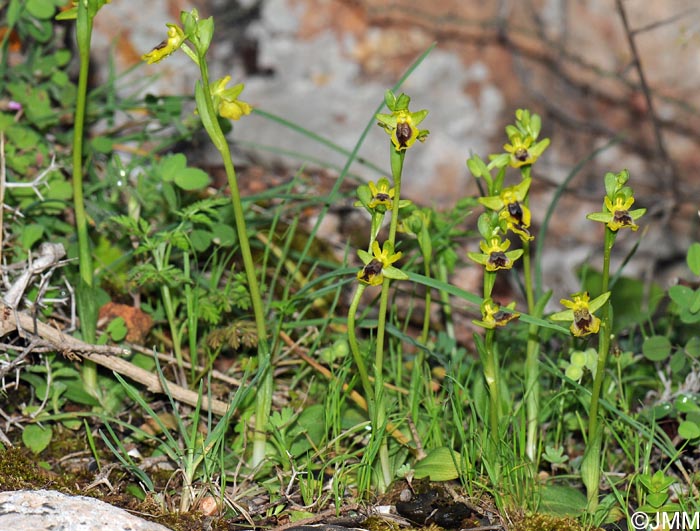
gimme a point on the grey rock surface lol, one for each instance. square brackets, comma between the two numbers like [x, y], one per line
[47, 510]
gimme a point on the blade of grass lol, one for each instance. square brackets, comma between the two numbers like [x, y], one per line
[314, 136]
[476, 300]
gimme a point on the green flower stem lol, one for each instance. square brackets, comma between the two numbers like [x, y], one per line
[161, 256]
[192, 303]
[264, 394]
[491, 368]
[397, 158]
[426, 313]
[86, 305]
[532, 366]
[420, 392]
[492, 382]
[355, 348]
[172, 323]
[593, 451]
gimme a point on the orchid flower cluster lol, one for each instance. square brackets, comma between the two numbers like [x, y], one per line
[616, 215]
[507, 209]
[379, 198]
[199, 33]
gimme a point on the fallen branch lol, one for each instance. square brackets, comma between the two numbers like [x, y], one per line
[103, 355]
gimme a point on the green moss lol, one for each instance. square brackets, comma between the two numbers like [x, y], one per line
[546, 522]
[375, 523]
[19, 470]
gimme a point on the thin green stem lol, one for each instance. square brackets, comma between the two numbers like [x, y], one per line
[397, 158]
[355, 348]
[532, 367]
[593, 451]
[426, 312]
[492, 382]
[169, 307]
[264, 394]
[84, 30]
[86, 301]
[192, 303]
[161, 256]
[532, 390]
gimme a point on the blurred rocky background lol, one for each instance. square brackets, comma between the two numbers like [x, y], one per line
[617, 84]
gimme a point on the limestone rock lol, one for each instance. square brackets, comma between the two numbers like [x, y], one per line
[44, 510]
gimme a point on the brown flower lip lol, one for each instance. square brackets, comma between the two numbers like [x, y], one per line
[372, 269]
[381, 196]
[498, 259]
[623, 217]
[403, 133]
[515, 210]
[521, 154]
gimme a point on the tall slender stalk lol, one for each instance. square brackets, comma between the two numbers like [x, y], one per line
[397, 158]
[355, 348]
[593, 448]
[264, 394]
[532, 367]
[87, 309]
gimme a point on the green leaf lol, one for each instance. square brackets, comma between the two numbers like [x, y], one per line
[309, 429]
[610, 184]
[192, 179]
[102, 144]
[224, 234]
[499, 161]
[41, 9]
[685, 404]
[681, 295]
[13, 12]
[692, 347]
[694, 258]
[364, 256]
[555, 455]
[564, 315]
[390, 99]
[656, 348]
[561, 500]
[441, 464]
[36, 437]
[394, 273]
[171, 165]
[117, 329]
[574, 372]
[677, 363]
[31, 234]
[60, 190]
[688, 430]
[207, 120]
[205, 32]
[477, 167]
[695, 302]
[590, 464]
[201, 239]
[87, 310]
[578, 358]
[598, 302]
